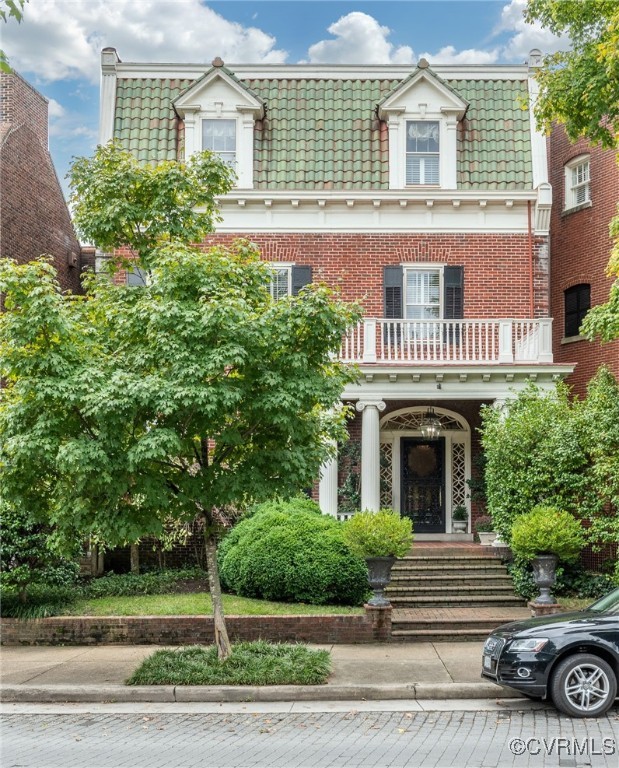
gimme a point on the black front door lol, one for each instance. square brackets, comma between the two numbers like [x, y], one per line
[423, 483]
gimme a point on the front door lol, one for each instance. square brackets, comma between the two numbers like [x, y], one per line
[423, 483]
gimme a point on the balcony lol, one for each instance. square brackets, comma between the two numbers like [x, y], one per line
[448, 342]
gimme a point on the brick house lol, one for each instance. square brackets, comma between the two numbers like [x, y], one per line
[585, 181]
[34, 218]
[421, 191]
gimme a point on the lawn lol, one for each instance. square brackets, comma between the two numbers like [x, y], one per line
[194, 604]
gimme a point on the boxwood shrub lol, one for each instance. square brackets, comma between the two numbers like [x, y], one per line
[288, 551]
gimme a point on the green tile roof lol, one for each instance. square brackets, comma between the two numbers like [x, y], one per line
[323, 134]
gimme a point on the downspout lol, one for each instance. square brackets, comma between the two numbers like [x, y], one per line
[530, 244]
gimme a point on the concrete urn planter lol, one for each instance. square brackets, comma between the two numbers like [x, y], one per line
[458, 526]
[379, 575]
[544, 575]
[486, 537]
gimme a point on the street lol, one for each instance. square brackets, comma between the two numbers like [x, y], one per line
[447, 734]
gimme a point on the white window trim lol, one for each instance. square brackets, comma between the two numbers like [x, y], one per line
[448, 171]
[288, 267]
[424, 268]
[569, 198]
[244, 139]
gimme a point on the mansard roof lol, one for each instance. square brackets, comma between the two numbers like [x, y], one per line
[322, 130]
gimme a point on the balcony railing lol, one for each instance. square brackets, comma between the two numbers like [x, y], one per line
[449, 342]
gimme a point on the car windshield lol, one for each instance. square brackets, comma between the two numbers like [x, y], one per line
[607, 604]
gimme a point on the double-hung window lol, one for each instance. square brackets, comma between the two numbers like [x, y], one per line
[281, 282]
[219, 136]
[422, 301]
[577, 183]
[422, 152]
[577, 304]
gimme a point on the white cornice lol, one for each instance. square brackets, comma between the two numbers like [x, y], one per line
[441, 211]
[315, 71]
[454, 382]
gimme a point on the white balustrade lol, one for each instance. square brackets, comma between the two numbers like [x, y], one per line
[448, 341]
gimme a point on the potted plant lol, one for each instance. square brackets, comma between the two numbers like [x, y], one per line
[459, 519]
[379, 538]
[484, 528]
[542, 537]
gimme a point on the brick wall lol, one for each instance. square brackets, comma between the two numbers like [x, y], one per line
[580, 248]
[373, 626]
[496, 267]
[34, 218]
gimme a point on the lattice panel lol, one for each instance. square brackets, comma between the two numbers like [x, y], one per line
[458, 475]
[386, 475]
[412, 421]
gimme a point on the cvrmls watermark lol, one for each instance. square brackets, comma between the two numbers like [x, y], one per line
[559, 746]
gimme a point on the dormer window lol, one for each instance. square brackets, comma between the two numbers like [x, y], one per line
[219, 137]
[218, 113]
[422, 152]
[422, 115]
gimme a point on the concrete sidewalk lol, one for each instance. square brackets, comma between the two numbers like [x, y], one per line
[360, 672]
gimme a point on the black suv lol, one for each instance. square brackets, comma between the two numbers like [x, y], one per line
[571, 658]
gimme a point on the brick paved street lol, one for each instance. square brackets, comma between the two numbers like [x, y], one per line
[353, 739]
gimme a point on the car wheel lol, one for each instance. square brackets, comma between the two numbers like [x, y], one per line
[583, 685]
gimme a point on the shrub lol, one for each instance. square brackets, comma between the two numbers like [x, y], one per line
[459, 513]
[151, 583]
[291, 554]
[547, 530]
[484, 524]
[379, 534]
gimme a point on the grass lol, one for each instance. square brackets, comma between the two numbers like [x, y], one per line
[574, 603]
[256, 663]
[194, 604]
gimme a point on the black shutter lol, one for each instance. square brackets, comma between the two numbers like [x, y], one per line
[393, 287]
[300, 276]
[453, 300]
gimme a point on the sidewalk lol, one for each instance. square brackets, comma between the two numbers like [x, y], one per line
[376, 672]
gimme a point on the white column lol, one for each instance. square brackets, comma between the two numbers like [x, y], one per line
[327, 487]
[370, 453]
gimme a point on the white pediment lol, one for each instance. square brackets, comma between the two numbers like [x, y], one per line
[423, 94]
[219, 91]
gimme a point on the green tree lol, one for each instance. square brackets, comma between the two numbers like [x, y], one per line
[188, 396]
[10, 9]
[580, 89]
[544, 448]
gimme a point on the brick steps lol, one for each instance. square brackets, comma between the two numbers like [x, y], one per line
[443, 592]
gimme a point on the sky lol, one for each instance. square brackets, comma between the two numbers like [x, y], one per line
[57, 46]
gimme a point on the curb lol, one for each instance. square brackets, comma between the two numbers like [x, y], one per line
[220, 694]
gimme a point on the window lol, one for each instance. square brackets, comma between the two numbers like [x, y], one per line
[577, 190]
[219, 136]
[577, 304]
[280, 282]
[422, 152]
[137, 276]
[423, 294]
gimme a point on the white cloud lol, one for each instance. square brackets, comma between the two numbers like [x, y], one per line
[449, 55]
[525, 36]
[55, 109]
[360, 39]
[59, 39]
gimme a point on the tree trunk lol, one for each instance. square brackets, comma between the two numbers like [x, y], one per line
[224, 649]
[135, 558]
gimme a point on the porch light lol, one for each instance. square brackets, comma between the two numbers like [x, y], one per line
[430, 426]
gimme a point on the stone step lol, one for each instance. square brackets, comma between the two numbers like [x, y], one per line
[448, 559]
[476, 589]
[451, 566]
[456, 601]
[438, 577]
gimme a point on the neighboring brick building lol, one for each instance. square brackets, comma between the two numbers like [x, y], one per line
[422, 192]
[585, 183]
[34, 218]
